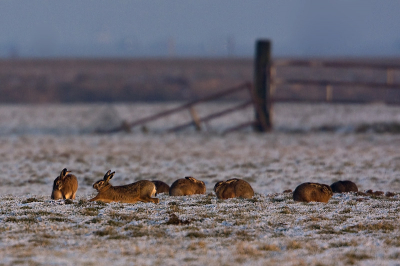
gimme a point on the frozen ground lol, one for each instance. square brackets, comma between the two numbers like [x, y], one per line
[38, 141]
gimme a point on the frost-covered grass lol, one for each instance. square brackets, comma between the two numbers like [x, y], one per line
[270, 229]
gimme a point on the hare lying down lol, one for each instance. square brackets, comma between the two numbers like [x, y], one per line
[344, 186]
[187, 186]
[64, 186]
[233, 188]
[307, 192]
[142, 190]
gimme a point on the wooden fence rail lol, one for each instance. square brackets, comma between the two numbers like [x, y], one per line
[345, 63]
[196, 119]
[355, 81]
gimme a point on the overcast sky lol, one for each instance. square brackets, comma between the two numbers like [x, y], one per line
[198, 28]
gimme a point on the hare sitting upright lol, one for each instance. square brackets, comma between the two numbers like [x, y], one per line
[187, 186]
[142, 190]
[307, 192]
[64, 186]
[233, 188]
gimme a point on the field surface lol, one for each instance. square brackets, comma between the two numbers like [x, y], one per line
[318, 143]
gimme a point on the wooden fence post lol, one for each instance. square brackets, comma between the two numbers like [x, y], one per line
[262, 77]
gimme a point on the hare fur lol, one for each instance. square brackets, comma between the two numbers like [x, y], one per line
[161, 187]
[142, 190]
[307, 192]
[64, 186]
[187, 186]
[233, 188]
[344, 186]
[56, 194]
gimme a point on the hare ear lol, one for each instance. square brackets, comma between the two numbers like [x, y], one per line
[64, 172]
[108, 176]
[191, 178]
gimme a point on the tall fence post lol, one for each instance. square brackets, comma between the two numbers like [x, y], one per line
[262, 77]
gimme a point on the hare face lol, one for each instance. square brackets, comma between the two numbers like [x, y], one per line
[218, 185]
[99, 185]
[201, 186]
[59, 184]
[103, 184]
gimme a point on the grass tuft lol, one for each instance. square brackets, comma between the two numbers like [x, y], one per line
[195, 235]
[174, 220]
[30, 200]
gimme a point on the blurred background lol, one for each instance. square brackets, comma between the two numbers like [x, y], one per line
[207, 28]
[77, 67]
[175, 50]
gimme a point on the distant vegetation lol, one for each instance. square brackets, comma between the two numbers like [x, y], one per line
[112, 80]
[150, 80]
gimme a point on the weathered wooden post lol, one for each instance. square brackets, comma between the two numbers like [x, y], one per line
[262, 77]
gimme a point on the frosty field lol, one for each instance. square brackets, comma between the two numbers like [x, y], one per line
[318, 143]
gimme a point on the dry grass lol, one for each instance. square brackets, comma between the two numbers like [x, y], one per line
[269, 229]
[117, 222]
[232, 224]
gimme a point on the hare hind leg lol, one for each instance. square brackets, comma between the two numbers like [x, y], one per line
[154, 192]
[99, 198]
[149, 199]
[147, 193]
[155, 200]
[102, 200]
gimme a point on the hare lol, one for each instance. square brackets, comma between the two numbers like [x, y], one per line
[344, 186]
[64, 186]
[161, 187]
[142, 190]
[187, 186]
[233, 188]
[312, 192]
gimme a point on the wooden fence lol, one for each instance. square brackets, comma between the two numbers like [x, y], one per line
[289, 80]
[335, 81]
[324, 80]
[197, 120]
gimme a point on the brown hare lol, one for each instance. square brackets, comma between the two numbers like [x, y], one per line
[187, 186]
[161, 187]
[64, 186]
[344, 186]
[307, 192]
[142, 190]
[233, 188]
